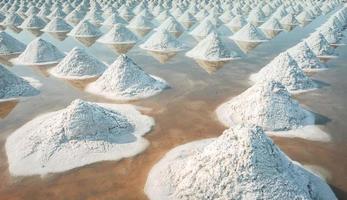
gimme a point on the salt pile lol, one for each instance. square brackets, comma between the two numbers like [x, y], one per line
[33, 22]
[162, 41]
[187, 19]
[118, 34]
[249, 33]
[237, 23]
[140, 22]
[10, 45]
[304, 17]
[125, 80]
[289, 20]
[275, 109]
[203, 29]
[80, 134]
[78, 65]
[286, 70]
[243, 163]
[212, 49]
[39, 52]
[94, 17]
[12, 20]
[74, 17]
[57, 25]
[305, 58]
[114, 19]
[172, 26]
[85, 29]
[272, 24]
[320, 46]
[13, 86]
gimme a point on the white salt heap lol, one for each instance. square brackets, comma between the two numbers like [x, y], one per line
[114, 19]
[12, 20]
[162, 41]
[78, 65]
[237, 23]
[285, 69]
[140, 22]
[10, 45]
[75, 16]
[13, 86]
[39, 52]
[125, 80]
[320, 46]
[80, 134]
[305, 58]
[212, 49]
[267, 104]
[243, 163]
[203, 29]
[272, 24]
[249, 33]
[118, 34]
[33, 22]
[85, 29]
[171, 25]
[289, 20]
[57, 25]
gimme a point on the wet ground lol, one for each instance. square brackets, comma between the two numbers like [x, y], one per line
[183, 113]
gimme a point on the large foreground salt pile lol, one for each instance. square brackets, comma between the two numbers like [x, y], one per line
[212, 49]
[10, 45]
[125, 80]
[286, 70]
[13, 86]
[78, 65]
[80, 134]
[162, 41]
[267, 104]
[243, 163]
[40, 52]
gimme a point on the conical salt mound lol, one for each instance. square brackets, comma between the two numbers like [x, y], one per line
[162, 41]
[289, 20]
[13, 86]
[305, 58]
[114, 19]
[237, 23]
[75, 16]
[118, 34]
[212, 49]
[331, 35]
[272, 24]
[10, 45]
[80, 134]
[243, 163]
[140, 22]
[33, 22]
[320, 46]
[285, 69]
[40, 52]
[171, 25]
[77, 64]
[203, 29]
[249, 33]
[85, 29]
[125, 80]
[12, 20]
[304, 17]
[57, 25]
[267, 104]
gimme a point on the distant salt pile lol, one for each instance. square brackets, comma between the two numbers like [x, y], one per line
[256, 16]
[125, 80]
[33, 22]
[226, 17]
[114, 19]
[140, 22]
[172, 25]
[78, 65]
[57, 12]
[187, 19]
[320, 46]
[57, 25]
[13, 86]
[272, 24]
[80, 134]
[304, 17]
[243, 163]
[275, 110]
[249, 33]
[237, 23]
[10, 45]
[118, 34]
[74, 16]
[12, 20]
[85, 29]
[40, 52]
[286, 70]
[162, 41]
[212, 49]
[305, 58]
[289, 20]
[94, 17]
[203, 29]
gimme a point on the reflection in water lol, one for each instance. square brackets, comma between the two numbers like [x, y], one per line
[35, 32]
[162, 57]
[61, 36]
[326, 58]
[43, 69]
[6, 107]
[120, 48]
[271, 33]
[81, 84]
[87, 41]
[15, 29]
[246, 47]
[288, 27]
[141, 32]
[211, 67]
[5, 59]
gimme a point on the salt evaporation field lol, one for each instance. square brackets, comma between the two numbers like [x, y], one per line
[173, 99]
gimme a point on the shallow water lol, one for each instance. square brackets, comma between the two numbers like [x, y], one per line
[183, 113]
